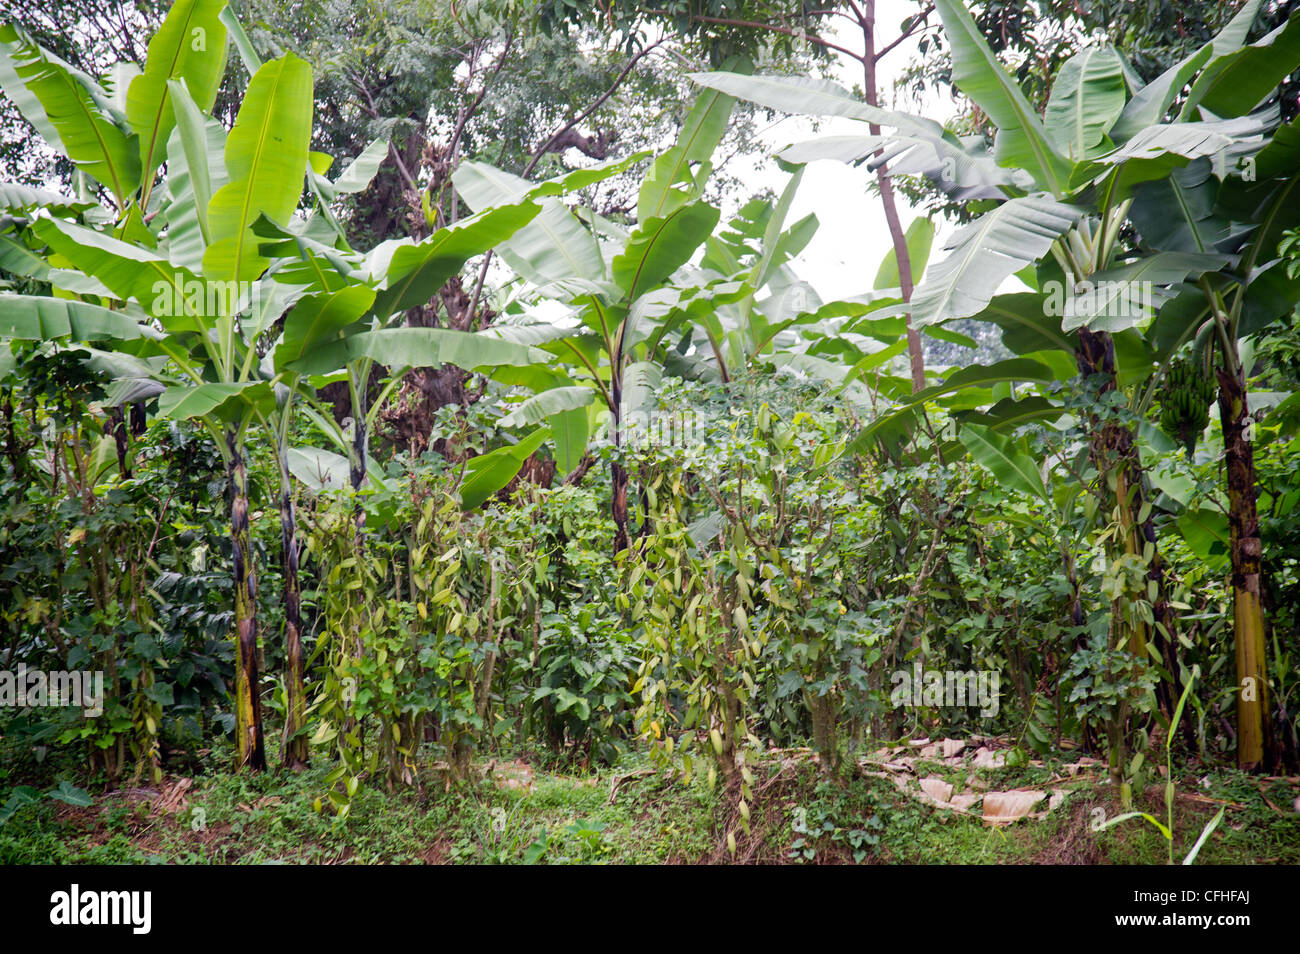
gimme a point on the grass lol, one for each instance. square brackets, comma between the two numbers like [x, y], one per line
[567, 816]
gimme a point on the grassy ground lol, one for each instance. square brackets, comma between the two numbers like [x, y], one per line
[525, 812]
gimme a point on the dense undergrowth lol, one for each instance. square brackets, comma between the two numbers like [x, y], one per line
[528, 810]
[650, 558]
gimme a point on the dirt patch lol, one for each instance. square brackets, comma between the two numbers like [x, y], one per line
[1076, 843]
[438, 853]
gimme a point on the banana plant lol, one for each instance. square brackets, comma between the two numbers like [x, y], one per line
[637, 297]
[607, 276]
[188, 278]
[1067, 185]
[1241, 209]
[117, 262]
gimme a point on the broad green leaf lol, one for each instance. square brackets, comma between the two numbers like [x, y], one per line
[999, 455]
[555, 246]
[490, 472]
[1026, 325]
[570, 430]
[659, 247]
[16, 257]
[70, 794]
[482, 185]
[266, 160]
[227, 401]
[976, 376]
[129, 271]
[20, 797]
[1010, 413]
[190, 45]
[1271, 294]
[417, 348]
[1021, 138]
[985, 253]
[416, 271]
[68, 113]
[703, 129]
[919, 237]
[19, 198]
[361, 170]
[641, 380]
[195, 170]
[778, 244]
[1188, 140]
[247, 54]
[1233, 85]
[813, 97]
[1117, 298]
[1088, 95]
[319, 469]
[1206, 534]
[1177, 213]
[539, 407]
[552, 247]
[319, 318]
[1177, 322]
[40, 318]
[1149, 104]
[960, 171]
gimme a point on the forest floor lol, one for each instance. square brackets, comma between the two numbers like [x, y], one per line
[912, 803]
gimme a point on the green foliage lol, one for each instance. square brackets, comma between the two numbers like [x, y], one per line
[794, 528]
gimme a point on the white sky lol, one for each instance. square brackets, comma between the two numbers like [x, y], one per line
[842, 258]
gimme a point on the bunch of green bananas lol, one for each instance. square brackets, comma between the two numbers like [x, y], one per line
[1188, 389]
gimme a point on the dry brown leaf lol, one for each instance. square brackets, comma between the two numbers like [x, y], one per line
[905, 764]
[173, 798]
[937, 788]
[1002, 808]
[987, 758]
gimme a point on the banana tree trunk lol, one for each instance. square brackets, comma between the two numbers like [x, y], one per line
[358, 452]
[617, 472]
[1114, 452]
[296, 752]
[248, 711]
[1247, 610]
[1114, 455]
[121, 442]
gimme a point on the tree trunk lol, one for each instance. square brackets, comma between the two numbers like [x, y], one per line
[617, 472]
[248, 712]
[1113, 451]
[360, 448]
[296, 750]
[1253, 747]
[896, 233]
